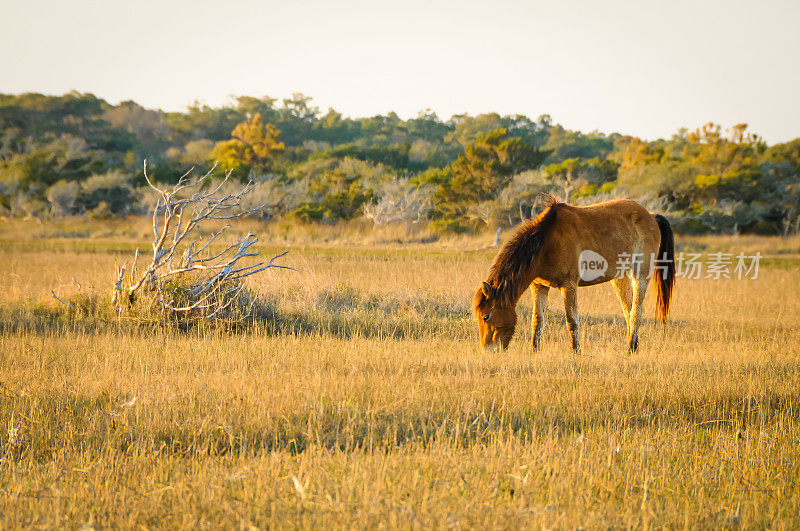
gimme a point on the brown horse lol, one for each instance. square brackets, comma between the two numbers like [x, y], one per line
[567, 247]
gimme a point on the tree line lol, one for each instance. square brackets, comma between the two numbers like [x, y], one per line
[76, 154]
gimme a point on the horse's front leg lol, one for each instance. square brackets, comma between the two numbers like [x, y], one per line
[539, 306]
[570, 294]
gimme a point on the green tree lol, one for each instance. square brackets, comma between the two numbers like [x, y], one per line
[253, 145]
[565, 144]
[336, 195]
[584, 176]
[481, 173]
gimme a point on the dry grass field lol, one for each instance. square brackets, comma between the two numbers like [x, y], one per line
[363, 400]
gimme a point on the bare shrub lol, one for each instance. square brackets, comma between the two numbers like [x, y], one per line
[62, 196]
[400, 203]
[192, 276]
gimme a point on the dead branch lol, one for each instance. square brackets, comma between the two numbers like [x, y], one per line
[56, 297]
[184, 263]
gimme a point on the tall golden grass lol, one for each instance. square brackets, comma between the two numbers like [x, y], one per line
[362, 400]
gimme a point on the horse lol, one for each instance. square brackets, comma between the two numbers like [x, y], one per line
[568, 246]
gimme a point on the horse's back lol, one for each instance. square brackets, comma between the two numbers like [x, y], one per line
[614, 230]
[615, 208]
[618, 217]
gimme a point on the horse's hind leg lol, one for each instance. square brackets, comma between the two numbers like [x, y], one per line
[571, 309]
[639, 291]
[622, 287]
[539, 307]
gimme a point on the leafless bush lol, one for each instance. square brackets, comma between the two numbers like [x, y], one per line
[404, 204]
[62, 197]
[191, 275]
[482, 211]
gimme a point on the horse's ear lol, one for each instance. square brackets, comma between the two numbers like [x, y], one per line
[487, 290]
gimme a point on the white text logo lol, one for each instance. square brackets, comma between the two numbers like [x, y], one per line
[591, 265]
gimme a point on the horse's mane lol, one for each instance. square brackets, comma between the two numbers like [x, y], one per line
[514, 258]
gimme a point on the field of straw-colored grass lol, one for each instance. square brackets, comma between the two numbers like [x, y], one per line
[363, 401]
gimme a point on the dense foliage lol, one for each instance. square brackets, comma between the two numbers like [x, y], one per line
[77, 154]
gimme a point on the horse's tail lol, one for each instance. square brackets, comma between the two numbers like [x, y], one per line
[665, 272]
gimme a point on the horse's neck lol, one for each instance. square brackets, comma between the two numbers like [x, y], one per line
[524, 284]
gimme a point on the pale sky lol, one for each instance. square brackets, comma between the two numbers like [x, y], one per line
[642, 67]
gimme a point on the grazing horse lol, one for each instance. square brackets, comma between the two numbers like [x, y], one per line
[567, 247]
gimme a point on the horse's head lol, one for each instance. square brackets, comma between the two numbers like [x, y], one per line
[496, 317]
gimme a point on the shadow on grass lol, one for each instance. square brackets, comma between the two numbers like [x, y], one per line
[343, 313]
[369, 318]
